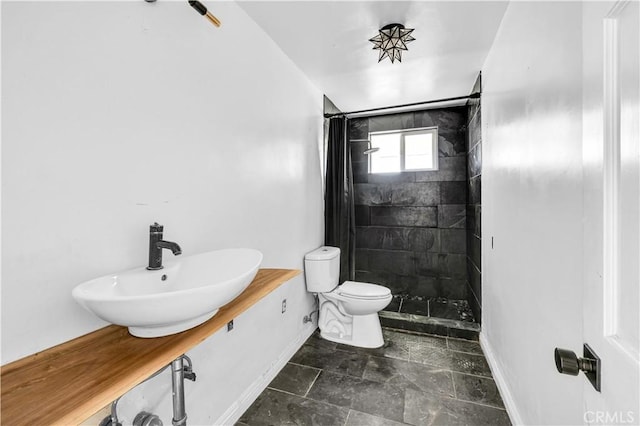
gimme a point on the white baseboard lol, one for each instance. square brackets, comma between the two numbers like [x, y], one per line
[503, 387]
[235, 411]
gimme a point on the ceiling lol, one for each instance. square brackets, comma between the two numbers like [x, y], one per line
[329, 42]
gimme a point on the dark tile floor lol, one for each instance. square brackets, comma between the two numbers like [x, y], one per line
[413, 379]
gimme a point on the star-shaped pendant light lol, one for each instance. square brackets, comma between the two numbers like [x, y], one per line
[391, 41]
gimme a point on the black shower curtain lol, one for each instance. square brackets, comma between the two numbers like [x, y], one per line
[339, 210]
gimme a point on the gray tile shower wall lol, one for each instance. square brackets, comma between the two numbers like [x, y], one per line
[411, 226]
[474, 171]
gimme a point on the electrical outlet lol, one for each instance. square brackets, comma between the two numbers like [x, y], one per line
[284, 305]
[230, 325]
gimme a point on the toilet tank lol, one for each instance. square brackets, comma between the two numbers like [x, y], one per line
[322, 269]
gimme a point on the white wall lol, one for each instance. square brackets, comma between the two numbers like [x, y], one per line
[119, 114]
[232, 368]
[532, 208]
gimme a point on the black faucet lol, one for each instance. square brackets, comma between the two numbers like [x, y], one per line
[156, 244]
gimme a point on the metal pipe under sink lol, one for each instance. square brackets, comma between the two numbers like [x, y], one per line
[179, 372]
[177, 387]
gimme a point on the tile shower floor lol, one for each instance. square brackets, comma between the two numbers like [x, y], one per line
[440, 307]
[414, 379]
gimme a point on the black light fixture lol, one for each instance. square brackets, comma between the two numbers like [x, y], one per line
[391, 40]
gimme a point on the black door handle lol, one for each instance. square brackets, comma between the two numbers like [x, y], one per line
[567, 362]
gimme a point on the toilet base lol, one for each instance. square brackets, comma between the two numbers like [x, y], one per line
[365, 332]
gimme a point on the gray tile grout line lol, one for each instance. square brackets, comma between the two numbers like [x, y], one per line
[464, 352]
[346, 420]
[415, 333]
[310, 399]
[464, 340]
[307, 366]
[468, 353]
[378, 417]
[475, 375]
[313, 382]
[480, 404]
[327, 403]
[338, 373]
[394, 358]
[455, 393]
[464, 400]
[446, 348]
[284, 391]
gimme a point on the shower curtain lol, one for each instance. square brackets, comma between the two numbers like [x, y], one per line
[339, 209]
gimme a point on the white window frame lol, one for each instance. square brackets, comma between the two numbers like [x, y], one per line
[402, 133]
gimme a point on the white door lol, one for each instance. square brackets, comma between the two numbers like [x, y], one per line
[611, 162]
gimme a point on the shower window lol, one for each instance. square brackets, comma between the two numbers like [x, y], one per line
[406, 150]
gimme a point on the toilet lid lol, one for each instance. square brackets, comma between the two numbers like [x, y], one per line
[363, 290]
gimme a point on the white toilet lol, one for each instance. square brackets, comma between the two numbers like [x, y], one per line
[348, 312]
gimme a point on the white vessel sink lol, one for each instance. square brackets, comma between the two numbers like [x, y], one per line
[185, 293]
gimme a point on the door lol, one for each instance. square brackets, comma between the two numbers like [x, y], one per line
[611, 164]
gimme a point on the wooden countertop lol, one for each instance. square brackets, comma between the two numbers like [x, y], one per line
[66, 384]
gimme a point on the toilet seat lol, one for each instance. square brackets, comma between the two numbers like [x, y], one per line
[362, 291]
